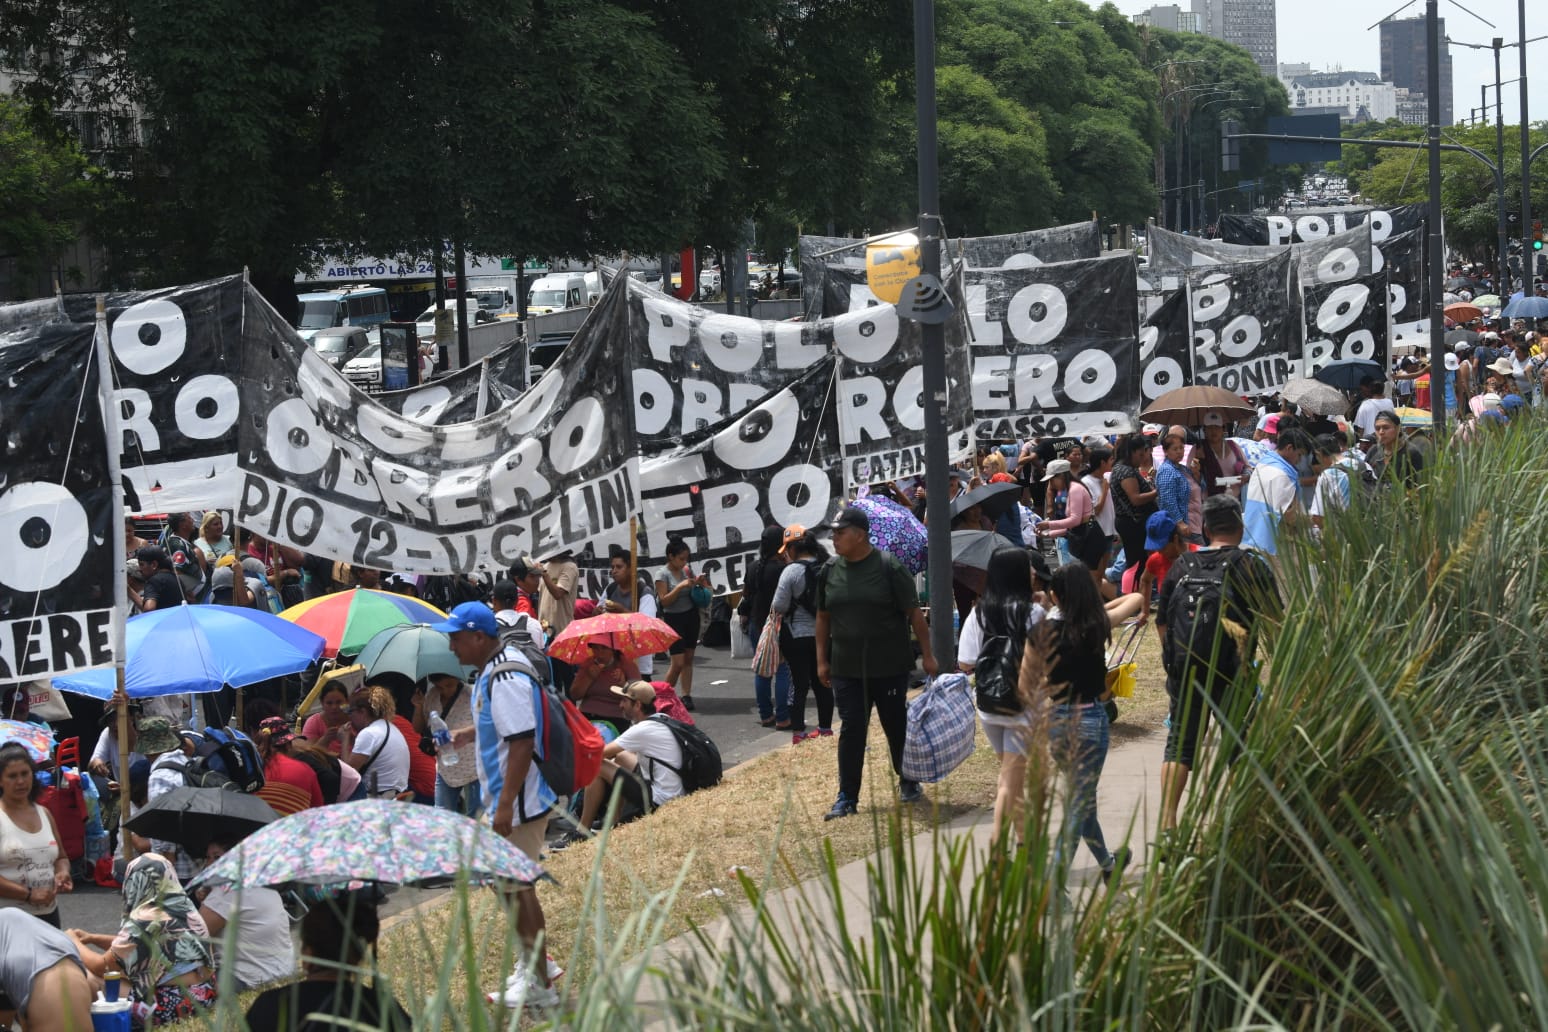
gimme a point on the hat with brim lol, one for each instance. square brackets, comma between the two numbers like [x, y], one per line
[640, 691]
[1158, 531]
[1502, 366]
[155, 735]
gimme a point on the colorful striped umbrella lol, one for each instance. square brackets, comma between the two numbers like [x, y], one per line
[633, 634]
[347, 620]
[374, 840]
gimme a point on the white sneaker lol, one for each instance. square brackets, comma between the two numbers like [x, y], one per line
[524, 990]
[555, 972]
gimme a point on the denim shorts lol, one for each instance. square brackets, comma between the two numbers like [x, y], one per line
[1007, 738]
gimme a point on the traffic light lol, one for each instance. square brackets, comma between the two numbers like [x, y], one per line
[1537, 236]
[1230, 149]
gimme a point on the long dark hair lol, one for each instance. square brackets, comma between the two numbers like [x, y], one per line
[771, 542]
[1006, 603]
[1083, 622]
[808, 545]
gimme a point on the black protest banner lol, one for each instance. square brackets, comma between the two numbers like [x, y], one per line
[881, 390]
[454, 397]
[330, 472]
[776, 464]
[693, 368]
[1318, 223]
[835, 283]
[177, 367]
[1055, 348]
[1166, 346]
[1246, 325]
[1346, 321]
[1337, 258]
[57, 521]
[1408, 286]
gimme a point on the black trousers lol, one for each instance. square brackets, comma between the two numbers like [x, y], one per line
[855, 698]
[801, 655]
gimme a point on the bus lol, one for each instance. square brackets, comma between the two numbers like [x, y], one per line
[357, 305]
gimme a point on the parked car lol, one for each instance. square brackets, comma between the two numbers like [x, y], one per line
[338, 344]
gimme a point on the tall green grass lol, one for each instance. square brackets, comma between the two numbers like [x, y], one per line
[1376, 859]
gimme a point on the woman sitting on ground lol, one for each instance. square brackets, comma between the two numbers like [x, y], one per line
[162, 946]
[374, 746]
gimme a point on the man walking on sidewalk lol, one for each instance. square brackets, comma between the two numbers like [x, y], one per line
[865, 606]
[1211, 602]
[504, 735]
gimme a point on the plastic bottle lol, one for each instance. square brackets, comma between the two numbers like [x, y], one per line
[444, 750]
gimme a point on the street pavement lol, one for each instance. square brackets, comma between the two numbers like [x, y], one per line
[722, 691]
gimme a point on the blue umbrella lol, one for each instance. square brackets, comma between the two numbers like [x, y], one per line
[1527, 308]
[200, 649]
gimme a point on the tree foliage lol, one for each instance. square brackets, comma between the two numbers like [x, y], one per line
[45, 192]
[1469, 199]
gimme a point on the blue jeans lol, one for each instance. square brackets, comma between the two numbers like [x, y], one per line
[1078, 738]
[779, 705]
[465, 800]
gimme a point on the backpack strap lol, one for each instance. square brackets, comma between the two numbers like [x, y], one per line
[379, 748]
[663, 719]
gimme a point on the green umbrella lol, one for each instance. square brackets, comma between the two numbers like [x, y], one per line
[413, 650]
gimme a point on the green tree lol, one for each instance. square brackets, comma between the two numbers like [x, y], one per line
[46, 189]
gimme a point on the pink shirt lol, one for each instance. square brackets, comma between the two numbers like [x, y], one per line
[1078, 509]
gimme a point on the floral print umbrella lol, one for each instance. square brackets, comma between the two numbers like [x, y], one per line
[632, 634]
[894, 529]
[35, 738]
[372, 840]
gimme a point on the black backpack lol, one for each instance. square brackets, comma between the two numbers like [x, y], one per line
[997, 674]
[701, 757]
[1195, 635]
[519, 634]
[816, 573]
[223, 758]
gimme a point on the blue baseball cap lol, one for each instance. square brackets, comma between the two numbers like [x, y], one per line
[470, 616]
[1158, 531]
[1511, 402]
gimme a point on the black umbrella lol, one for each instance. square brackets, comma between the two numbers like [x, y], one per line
[1458, 336]
[994, 499]
[973, 548]
[1346, 375]
[191, 817]
[1459, 283]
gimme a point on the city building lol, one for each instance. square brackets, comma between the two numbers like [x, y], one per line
[1353, 96]
[1412, 108]
[1170, 17]
[1248, 24]
[1405, 61]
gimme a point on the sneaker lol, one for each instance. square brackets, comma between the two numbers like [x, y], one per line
[555, 972]
[523, 989]
[825, 732]
[802, 736]
[765, 721]
[842, 807]
[1120, 860]
[688, 703]
[910, 792]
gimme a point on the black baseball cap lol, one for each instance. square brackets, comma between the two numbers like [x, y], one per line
[851, 516]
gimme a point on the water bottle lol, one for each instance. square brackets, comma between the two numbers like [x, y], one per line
[444, 749]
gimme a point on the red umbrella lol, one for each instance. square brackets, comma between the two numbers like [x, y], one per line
[632, 634]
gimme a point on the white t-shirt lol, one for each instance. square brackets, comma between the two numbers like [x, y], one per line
[653, 741]
[264, 952]
[972, 643]
[1365, 415]
[391, 766]
[1104, 515]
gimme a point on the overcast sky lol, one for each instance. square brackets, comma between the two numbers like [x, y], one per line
[1333, 34]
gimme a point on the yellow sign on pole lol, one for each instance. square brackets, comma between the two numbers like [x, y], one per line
[890, 262]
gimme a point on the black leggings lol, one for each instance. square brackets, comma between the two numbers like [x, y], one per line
[1193, 698]
[1131, 531]
[801, 655]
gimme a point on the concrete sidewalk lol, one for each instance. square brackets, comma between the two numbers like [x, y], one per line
[1128, 803]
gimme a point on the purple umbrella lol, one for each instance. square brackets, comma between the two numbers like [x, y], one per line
[894, 529]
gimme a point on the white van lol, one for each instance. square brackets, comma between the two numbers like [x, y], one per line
[556, 293]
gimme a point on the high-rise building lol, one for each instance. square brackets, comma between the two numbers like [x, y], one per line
[1405, 60]
[1247, 23]
[1170, 17]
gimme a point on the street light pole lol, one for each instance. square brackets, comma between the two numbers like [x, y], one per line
[933, 344]
[1437, 256]
[1528, 257]
[1503, 279]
